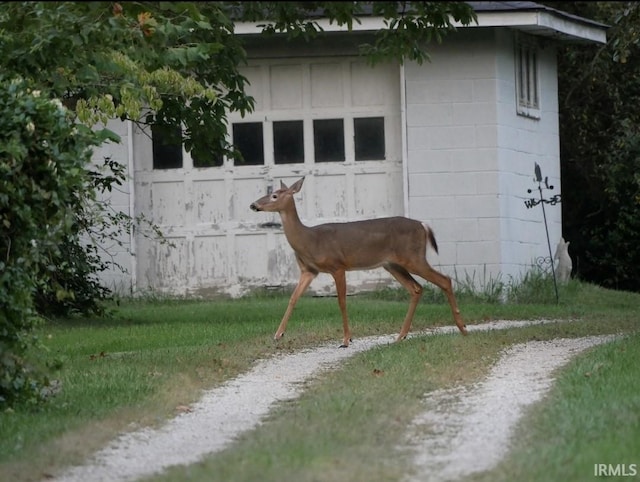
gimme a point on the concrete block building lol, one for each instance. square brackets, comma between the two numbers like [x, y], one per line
[452, 142]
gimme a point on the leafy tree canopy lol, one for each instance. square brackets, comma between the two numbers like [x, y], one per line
[176, 63]
[68, 66]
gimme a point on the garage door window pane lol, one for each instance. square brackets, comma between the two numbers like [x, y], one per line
[288, 142]
[369, 138]
[208, 152]
[208, 161]
[328, 140]
[167, 147]
[247, 140]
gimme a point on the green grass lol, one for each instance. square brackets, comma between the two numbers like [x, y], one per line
[152, 356]
[592, 416]
[349, 424]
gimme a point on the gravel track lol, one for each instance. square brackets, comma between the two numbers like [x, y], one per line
[240, 404]
[467, 429]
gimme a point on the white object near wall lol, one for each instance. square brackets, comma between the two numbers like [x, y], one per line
[563, 270]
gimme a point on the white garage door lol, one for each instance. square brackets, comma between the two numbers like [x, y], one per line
[335, 121]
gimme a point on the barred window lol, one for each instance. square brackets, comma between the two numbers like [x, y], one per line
[527, 85]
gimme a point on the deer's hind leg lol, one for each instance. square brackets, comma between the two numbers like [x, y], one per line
[415, 290]
[424, 270]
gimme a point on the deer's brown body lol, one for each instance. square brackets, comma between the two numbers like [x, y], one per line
[397, 244]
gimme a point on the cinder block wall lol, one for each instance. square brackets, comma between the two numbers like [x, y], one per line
[470, 156]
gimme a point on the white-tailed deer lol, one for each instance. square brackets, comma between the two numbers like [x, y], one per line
[397, 244]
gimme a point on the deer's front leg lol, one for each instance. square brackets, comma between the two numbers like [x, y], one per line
[341, 288]
[306, 277]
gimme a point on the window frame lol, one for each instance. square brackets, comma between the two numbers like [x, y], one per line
[527, 77]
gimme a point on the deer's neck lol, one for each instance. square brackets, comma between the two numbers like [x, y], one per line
[295, 232]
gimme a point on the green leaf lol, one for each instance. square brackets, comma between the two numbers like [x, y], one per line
[105, 134]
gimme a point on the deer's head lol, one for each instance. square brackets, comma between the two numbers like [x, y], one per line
[277, 200]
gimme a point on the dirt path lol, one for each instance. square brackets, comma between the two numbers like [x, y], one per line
[467, 429]
[240, 404]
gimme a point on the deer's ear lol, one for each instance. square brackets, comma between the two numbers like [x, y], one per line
[283, 185]
[297, 185]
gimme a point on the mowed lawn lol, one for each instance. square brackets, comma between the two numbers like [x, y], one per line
[152, 358]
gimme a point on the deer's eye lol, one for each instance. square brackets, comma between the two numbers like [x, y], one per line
[274, 197]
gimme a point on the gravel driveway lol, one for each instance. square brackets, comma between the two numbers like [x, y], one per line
[524, 372]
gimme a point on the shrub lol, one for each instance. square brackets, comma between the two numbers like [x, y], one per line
[43, 154]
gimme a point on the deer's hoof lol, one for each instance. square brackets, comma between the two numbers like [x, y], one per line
[277, 337]
[346, 345]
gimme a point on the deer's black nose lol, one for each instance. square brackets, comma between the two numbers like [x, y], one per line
[254, 207]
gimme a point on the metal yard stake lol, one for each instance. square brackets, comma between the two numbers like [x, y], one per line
[553, 200]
